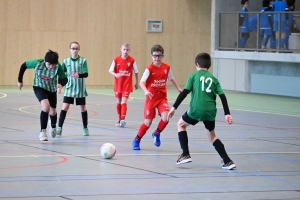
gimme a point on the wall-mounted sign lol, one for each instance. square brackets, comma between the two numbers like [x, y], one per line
[154, 25]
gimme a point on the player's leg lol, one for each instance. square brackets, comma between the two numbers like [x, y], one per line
[163, 109]
[210, 132]
[184, 122]
[66, 105]
[84, 115]
[118, 106]
[149, 115]
[125, 96]
[42, 96]
[141, 132]
[53, 114]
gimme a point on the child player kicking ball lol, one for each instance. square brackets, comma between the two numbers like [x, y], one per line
[204, 87]
[153, 84]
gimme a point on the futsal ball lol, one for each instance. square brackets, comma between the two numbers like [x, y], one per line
[108, 150]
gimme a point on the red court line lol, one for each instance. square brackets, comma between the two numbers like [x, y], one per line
[63, 159]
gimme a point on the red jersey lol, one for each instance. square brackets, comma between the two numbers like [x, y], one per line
[158, 76]
[125, 67]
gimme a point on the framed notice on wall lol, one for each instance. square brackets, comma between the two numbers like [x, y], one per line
[154, 26]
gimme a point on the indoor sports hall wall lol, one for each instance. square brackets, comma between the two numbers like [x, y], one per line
[28, 28]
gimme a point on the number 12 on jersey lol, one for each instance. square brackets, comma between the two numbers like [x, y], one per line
[208, 81]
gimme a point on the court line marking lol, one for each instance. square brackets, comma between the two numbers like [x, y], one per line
[4, 95]
[117, 155]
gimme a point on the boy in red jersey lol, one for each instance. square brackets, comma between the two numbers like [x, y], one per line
[153, 83]
[121, 68]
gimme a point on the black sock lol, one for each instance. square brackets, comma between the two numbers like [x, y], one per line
[183, 139]
[44, 120]
[62, 118]
[138, 138]
[221, 150]
[53, 120]
[84, 119]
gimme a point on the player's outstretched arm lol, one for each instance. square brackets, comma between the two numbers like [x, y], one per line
[176, 85]
[136, 86]
[21, 74]
[228, 117]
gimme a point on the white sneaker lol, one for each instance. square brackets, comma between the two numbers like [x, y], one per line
[43, 135]
[263, 47]
[122, 123]
[52, 132]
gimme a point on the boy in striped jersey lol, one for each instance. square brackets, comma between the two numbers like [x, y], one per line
[122, 68]
[77, 70]
[153, 84]
[45, 87]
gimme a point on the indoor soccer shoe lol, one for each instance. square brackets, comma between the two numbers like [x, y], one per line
[122, 123]
[156, 139]
[85, 132]
[52, 132]
[230, 165]
[58, 131]
[183, 159]
[43, 135]
[136, 144]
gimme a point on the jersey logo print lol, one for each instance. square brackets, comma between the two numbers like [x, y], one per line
[45, 78]
[128, 64]
[165, 71]
[147, 112]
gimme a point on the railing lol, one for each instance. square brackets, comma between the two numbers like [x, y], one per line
[229, 33]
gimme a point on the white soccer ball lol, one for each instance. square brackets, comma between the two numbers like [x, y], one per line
[108, 150]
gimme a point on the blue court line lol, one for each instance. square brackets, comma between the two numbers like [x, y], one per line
[144, 176]
[142, 190]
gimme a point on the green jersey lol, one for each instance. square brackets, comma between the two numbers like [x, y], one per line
[45, 78]
[204, 87]
[75, 87]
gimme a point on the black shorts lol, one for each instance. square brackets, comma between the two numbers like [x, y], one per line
[209, 125]
[70, 100]
[41, 94]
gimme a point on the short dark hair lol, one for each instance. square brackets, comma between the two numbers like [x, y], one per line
[265, 3]
[51, 57]
[157, 47]
[74, 43]
[244, 1]
[204, 60]
[290, 3]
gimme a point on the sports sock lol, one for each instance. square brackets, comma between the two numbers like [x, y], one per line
[161, 126]
[183, 139]
[84, 119]
[142, 131]
[44, 119]
[119, 107]
[123, 111]
[53, 120]
[62, 118]
[221, 150]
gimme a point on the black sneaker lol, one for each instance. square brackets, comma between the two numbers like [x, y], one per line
[230, 165]
[183, 159]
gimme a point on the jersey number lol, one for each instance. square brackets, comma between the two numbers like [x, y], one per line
[207, 81]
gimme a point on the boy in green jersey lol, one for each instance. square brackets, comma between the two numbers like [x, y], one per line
[204, 87]
[77, 70]
[45, 87]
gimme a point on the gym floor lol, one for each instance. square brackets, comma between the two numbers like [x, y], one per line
[263, 141]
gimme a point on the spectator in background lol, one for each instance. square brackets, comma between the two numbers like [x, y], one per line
[244, 23]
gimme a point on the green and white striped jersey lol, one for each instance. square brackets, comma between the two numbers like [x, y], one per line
[45, 78]
[76, 86]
